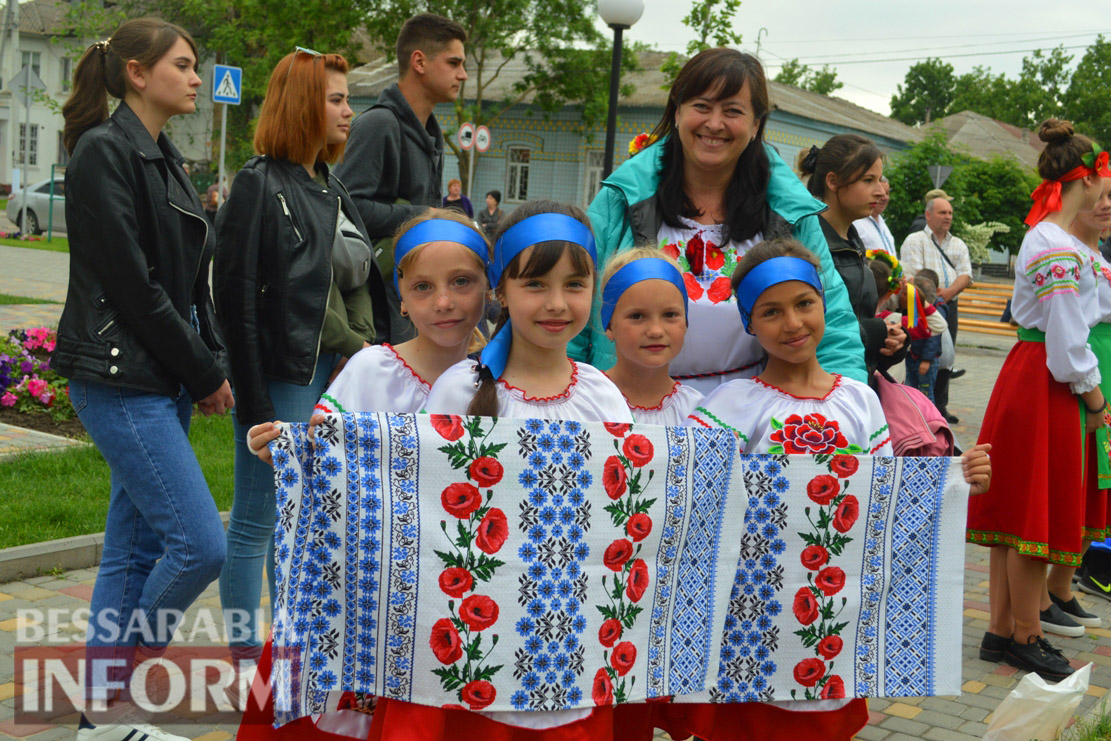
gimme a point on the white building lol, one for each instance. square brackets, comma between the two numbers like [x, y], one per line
[28, 40]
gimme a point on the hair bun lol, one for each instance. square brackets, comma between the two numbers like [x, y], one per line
[1055, 130]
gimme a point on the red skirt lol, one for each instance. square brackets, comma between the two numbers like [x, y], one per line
[1037, 503]
[403, 721]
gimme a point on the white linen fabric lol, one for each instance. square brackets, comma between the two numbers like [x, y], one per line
[375, 379]
[766, 419]
[1055, 291]
[613, 562]
[672, 409]
[590, 396]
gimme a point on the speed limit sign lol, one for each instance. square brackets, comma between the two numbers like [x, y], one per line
[466, 136]
[482, 139]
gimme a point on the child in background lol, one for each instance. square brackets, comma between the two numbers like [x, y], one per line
[440, 272]
[781, 300]
[925, 346]
[644, 312]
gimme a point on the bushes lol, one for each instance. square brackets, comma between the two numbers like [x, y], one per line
[27, 383]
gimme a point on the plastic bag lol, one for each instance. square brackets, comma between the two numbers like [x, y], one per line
[1036, 709]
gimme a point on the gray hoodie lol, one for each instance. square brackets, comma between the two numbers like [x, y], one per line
[390, 156]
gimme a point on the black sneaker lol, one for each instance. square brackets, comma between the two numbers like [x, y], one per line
[1073, 609]
[956, 373]
[951, 418]
[1100, 587]
[992, 647]
[1039, 656]
[1054, 620]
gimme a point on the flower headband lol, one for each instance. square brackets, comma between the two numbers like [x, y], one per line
[773, 272]
[889, 260]
[1047, 196]
[438, 230]
[647, 268]
[547, 227]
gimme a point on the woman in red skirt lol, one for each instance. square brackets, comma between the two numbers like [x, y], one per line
[1045, 404]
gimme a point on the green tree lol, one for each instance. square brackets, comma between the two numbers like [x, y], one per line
[983, 92]
[566, 59]
[927, 93]
[1039, 92]
[909, 178]
[997, 189]
[792, 72]
[713, 26]
[823, 81]
[252, 34]
[1086, 98]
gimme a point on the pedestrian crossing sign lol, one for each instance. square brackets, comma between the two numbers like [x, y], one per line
[227, 84]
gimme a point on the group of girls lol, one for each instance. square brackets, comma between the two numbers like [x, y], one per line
[1048, 401]
[297, 312]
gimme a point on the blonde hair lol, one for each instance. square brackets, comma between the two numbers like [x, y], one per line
[478, 339]
[624, 257]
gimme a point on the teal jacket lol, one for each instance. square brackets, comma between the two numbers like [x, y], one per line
[625, 208]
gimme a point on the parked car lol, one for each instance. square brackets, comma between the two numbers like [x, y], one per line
[38, 206]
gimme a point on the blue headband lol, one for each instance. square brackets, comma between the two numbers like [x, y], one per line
[438, 230]
[650, 268]
[773, 272]
[536, 229]
[516, 239]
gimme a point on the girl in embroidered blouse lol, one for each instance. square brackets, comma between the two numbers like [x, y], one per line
[440, 274]
[1045, 403]
[796, 407]
[543, 273]
[644, 311]
[1086, 227]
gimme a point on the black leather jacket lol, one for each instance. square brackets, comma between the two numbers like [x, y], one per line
[139, 249]
[272, 275]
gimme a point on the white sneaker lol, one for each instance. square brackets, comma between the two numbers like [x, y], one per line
[128, 726]
[236, 693]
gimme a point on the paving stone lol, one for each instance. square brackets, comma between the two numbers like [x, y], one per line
[945, 734]
[973, 728]
[902, 710]
[872, 733]
[939, 720]
[976, 714]
[903, 725]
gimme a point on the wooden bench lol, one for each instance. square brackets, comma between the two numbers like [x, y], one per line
[985, 300]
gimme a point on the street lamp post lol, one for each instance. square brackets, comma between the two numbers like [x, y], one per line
[618, 15]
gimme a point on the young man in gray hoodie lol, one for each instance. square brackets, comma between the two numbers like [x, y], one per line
[394, 160]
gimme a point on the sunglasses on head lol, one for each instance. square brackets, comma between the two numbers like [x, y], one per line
[299, 50]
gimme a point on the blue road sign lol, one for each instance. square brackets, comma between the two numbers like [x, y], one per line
[227, 84]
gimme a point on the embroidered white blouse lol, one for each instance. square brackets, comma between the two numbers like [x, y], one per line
[1055, 291]
[672, 409]
[375, 379]
[767, 419]
[1103, 283]
[711, 304]
[590, 397]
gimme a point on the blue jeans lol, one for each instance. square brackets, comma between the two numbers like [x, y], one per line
[253, 516]
[163, 541]
[924, 383]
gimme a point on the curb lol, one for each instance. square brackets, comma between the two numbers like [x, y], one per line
[35, 559]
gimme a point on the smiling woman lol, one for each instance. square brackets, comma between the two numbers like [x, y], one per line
[706, 192]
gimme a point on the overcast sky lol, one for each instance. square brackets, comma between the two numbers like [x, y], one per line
[869, 33]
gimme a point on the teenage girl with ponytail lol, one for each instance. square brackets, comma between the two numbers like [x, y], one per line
[139, 342]
[1045, 404]
[846, 175]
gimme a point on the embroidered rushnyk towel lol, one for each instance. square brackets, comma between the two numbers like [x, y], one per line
[505, 564]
